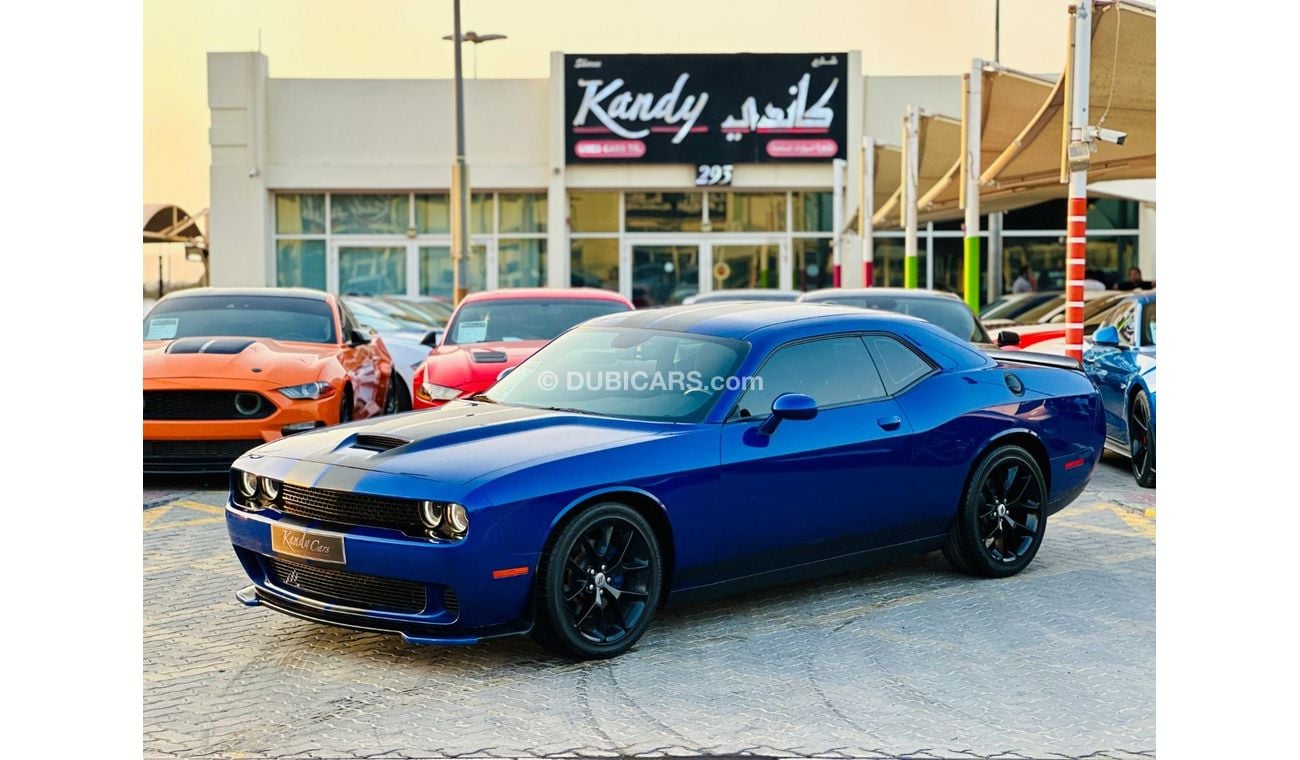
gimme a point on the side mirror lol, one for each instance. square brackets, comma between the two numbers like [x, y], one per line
[1106, 336]
[359, 338]
[789, 406]
[1008, 338]
[431, 338]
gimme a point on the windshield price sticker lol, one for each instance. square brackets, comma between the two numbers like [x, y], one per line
[471, 332]
[713, 174]
[162, 328]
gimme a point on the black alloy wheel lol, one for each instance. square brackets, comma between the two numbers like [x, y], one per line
[1002, 517]
[345, 406]
[599, 584]
[391, 396]
[1142, 441]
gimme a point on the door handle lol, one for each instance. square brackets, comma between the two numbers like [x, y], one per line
[889, 423]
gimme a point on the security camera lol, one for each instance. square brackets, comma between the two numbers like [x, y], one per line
[1107, 135]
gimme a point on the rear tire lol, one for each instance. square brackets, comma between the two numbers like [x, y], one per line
[1142, 441]
[598, 584]
[1002, 517]
[393, 396]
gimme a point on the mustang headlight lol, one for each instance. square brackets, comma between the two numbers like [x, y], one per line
[317, 390]
[431, 392]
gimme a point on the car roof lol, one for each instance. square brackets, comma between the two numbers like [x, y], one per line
[311, 293]
[556, 293]
[831, 293]
[739, 319]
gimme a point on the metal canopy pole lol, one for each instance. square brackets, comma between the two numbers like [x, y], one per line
[459, 170]
[929, 255]
[1079, 153]
[911, 154]
[972, 105]
[866, 225]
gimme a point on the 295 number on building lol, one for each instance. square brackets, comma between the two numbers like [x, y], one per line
[713, 174]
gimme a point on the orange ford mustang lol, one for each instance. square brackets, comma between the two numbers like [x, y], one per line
[227, 369]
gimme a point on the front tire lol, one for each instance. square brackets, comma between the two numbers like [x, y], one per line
[599, 584]
[345, 406]
[1002, 517]
[1142, 441]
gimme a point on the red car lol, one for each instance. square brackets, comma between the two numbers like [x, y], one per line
[493, 331]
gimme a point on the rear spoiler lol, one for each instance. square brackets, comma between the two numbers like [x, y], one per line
[1039, 359]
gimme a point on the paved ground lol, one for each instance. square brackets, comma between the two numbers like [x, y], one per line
[908, 659]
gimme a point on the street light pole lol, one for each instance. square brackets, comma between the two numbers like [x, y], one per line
[459, 170]
[1079, 153]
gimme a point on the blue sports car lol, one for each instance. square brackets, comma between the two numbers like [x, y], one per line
[1121, 360]
[675, 453]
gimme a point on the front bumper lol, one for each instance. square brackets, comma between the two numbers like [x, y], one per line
[464, 603]
[210, 446]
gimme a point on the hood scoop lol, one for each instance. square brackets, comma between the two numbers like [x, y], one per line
[489, 357]
[208, 345]
[372, 442]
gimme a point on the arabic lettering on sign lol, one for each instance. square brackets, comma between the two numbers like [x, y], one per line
[706, 109]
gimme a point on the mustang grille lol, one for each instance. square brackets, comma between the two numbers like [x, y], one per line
[206, 405]
[350, 508]
[330, 585]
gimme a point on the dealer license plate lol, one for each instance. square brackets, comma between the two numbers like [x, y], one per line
[307, 544]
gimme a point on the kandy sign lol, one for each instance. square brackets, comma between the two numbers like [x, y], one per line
[705, 109]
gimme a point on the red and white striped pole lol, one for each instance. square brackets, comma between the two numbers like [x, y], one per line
[1079, 150]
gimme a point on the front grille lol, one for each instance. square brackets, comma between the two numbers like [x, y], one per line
[193, 456]
[339, 586]
[349, 508]
[206, 405]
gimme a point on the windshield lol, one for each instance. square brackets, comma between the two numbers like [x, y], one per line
[625, 372]
[1044, 309]
[948, 313]
[1012, 306]
[370, 316]
[515, 319]
[307, 320]
[1092, 308]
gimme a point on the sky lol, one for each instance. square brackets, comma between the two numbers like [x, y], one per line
[402, 39]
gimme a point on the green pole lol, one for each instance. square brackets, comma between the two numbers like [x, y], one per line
[912, 272]
[971, 273]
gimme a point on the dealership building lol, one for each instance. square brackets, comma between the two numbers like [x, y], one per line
[655, 175]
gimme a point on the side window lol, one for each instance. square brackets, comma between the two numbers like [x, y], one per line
[348, 321]
[899, 365]
[1149, 325]
[831, 370]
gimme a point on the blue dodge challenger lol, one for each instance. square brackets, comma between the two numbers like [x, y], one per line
[672, 453]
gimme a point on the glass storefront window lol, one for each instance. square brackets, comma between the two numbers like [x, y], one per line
[369, 214]
[663, 212]
[593, 211]
[1108, 260]
[523, 212]
[522, 262]
[813, 212]
[593, 263]
[813, 265]
[297, 214]
[746, 266]
[664, 274]
[747, 212]
[480, 214]
[433, 214]
[372, 270]
[436, 274]
[300, 263]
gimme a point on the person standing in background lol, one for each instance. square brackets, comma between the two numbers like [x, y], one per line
[1025, 282]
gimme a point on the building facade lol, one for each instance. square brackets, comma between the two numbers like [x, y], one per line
[657, 176]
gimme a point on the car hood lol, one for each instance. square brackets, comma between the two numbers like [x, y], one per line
[457, 366]
[462, 441]
[260, 359]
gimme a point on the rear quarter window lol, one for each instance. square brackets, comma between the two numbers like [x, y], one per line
[899, 365]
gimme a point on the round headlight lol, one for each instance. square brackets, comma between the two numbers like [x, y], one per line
[431, 514]
[247, 485]
[457, 518]
[270, 488]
